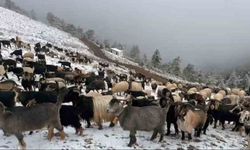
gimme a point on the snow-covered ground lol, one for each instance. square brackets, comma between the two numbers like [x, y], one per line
[116, 138]
[119, 58]
[12, 24]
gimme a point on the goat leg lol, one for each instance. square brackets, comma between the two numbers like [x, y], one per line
[182, 135]
[31, 132]
[50, 133]
[215, 123]
[161, 137]
[154, 135]
[206, 125]
[195, 132]
[199, 132]
[88, 123]
[132, 141]
[99, 123]
[189, 136]
[168, 128]
[132, 138]
[161, 134]
[223, 124]
[176, 128]
[111, 124]
[62, 135]
[59, 127]
[19, 136]
[79, 131]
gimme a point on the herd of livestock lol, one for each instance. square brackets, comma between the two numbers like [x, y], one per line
[136, 101]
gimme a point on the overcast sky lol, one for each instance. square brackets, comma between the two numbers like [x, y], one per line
[207, 33]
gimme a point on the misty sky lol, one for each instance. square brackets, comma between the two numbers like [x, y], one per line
[207, 33]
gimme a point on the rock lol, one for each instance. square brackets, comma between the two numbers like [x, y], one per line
[106, 135]
[4, 146]
[213, 144]
[191, 147]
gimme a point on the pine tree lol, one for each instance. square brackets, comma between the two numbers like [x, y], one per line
[8, 4]
[55, 21]
[246, 82]
[115, 45]
[156, 59]
[106, 43]
[135, 53]
[189, 73]
[12, 6]
[233, 80]
[120, 46]
[145, 60]
[80, 33]
[33, 14]
[221, 83]
[175, 66]
[90, 34]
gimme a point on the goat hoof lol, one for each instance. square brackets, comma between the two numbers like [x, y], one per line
[79, 131]
[31, 132]
[50, 135]
[167, 133]
[23, 145]
[111, 124]
[63, 135]
[161, 138]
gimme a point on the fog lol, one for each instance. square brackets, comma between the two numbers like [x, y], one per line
[211, 34]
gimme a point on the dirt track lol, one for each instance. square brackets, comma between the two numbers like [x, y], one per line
[98, 52]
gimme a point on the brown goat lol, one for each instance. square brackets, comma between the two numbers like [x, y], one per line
[8, 85]
[190, 118]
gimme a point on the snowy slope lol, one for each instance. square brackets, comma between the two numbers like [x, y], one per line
[12, 24]
[119, 58]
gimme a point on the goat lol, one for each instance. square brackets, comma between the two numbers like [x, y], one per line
[145, 118]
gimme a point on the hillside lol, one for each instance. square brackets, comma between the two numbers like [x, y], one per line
[13, 24]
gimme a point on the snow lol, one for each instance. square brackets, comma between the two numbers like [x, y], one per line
[119, 58]
[116, 138]
[116, 49]
[13, 24]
